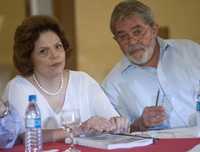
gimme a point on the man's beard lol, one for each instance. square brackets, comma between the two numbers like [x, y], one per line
[146, 56]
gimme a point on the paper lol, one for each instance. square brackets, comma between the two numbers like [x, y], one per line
[189, 132]
[51, 150]
[195, 149]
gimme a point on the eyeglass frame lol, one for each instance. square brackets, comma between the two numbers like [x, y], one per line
[125, 37]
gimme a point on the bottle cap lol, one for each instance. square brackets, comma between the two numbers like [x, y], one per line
[198, 106]
[32, 98]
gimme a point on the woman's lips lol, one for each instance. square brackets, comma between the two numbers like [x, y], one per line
[56, 64]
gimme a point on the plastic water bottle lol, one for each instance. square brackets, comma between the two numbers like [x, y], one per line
[198, 109]
[198, 113]
[33, 134]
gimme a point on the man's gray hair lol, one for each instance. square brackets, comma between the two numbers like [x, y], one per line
[129, 8]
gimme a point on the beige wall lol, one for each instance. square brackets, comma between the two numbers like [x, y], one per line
[11, 14]
[96, 50]
[64, 10]
[181, 16]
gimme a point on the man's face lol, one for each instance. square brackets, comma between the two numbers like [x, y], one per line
[136, 39]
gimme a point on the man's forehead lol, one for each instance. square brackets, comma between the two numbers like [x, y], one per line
[129, 22]
[131, 18]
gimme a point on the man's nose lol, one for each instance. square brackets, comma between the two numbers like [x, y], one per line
[132, 39]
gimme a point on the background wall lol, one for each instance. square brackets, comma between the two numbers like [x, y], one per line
[11, 14]
[64, 10]
[96, 50]
[181, 16]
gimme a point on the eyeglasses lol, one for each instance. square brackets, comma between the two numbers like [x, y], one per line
[137, 34]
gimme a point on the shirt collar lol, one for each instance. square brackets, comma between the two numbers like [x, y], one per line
[164, 44]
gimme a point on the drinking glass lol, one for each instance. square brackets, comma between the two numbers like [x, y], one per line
[70, 120]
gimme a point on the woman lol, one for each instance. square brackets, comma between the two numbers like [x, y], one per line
[40, 53]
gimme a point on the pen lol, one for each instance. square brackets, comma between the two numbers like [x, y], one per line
[157, 98]
[134, 135]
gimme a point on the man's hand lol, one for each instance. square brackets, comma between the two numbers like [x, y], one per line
[151, 116]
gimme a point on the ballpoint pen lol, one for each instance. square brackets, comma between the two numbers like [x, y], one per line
[137, 136]
[157, 97]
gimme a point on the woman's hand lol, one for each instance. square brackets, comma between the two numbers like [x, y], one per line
[119, 124]
[97, 125]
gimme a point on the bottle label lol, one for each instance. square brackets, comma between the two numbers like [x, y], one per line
[198, 106]
[33, 123]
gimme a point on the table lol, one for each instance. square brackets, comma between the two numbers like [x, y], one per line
[162, 145]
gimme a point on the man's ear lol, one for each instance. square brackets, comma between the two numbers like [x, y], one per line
[155, 29]
[114, 38]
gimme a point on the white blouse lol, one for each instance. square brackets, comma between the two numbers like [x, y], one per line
[82, 92]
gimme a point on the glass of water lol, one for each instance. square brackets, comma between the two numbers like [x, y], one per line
[70, 120]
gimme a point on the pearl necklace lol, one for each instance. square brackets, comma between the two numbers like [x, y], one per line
[46, 91]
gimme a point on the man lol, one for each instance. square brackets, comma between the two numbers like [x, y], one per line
[154, 83]
[9, 125]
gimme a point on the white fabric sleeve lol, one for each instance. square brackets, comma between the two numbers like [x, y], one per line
[100, 103]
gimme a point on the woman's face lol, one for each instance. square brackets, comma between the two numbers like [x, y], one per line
[48, 56]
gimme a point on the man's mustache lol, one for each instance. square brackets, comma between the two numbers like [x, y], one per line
[132, 48]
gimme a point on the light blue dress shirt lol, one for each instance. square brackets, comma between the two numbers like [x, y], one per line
[131, 88]
[9, 129]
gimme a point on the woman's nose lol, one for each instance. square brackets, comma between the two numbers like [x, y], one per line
[54, 53]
